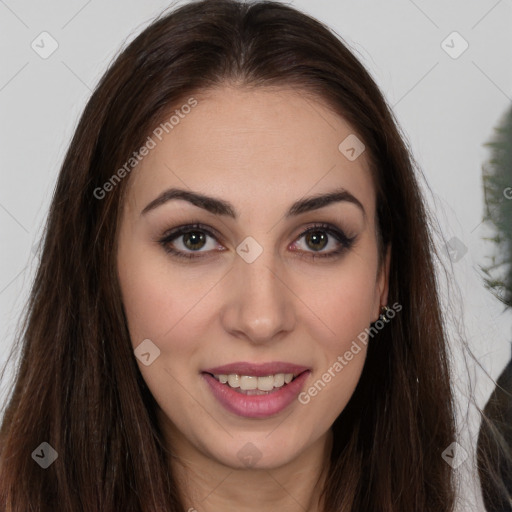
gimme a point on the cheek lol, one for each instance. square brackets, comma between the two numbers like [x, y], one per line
[157, 296]
[162, 305]
[147, 301]
[342, 349]
[343, 299]
[346, 315]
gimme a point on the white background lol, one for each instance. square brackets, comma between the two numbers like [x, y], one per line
[446, 107]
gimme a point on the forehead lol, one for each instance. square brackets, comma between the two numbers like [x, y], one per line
[254, 147]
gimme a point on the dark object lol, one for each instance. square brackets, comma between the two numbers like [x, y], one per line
[494, 449]
[495, 446]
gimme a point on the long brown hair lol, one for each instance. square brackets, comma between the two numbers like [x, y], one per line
[78, 386]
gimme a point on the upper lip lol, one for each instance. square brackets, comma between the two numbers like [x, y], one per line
[257, 370]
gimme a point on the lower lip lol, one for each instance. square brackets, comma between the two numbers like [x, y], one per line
[256, 406]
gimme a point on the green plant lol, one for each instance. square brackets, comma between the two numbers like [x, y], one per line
[497, 183]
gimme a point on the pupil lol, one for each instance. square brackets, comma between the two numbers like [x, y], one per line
[195, 238]
[317, 237]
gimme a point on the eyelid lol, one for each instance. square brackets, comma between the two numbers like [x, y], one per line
[344, 242]
[191, 227]
[335, 232]
[329, 228]
[178, 231]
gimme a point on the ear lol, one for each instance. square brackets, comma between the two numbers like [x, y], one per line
[382, 285]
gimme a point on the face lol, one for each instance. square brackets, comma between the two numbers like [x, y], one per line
[243, 268]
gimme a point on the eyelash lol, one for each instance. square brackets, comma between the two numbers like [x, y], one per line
[344, 241]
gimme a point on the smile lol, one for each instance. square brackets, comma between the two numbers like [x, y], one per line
[252, 385]
[256, 391]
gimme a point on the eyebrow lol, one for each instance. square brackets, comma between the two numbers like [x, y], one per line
[221, 207]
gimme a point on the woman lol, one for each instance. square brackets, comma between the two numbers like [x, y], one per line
[236, 305]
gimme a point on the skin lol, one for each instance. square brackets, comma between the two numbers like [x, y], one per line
[259, 149]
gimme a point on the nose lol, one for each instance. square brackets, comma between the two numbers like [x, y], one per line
[259, 305]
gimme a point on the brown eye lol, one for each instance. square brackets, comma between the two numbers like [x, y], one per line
[316, 240]
[312, 242]
[194, 240]
[191, 241]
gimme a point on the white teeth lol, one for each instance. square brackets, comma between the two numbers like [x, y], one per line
[250, 382]
[247, 382]
[280, 378]
[234, 381]
[267, 383]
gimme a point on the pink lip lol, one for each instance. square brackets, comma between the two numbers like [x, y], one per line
[256, 406]
[257, 370]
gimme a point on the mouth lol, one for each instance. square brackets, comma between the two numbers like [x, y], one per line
[256, 391]
[253, 385]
